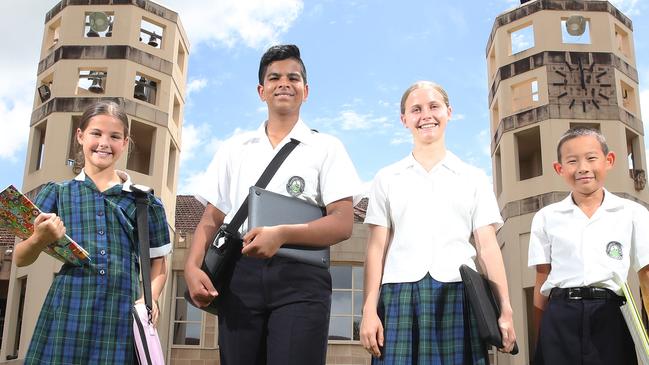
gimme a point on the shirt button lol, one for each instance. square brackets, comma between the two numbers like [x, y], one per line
[100, 213]
[102, 252]
[101, 232]
[102, 272]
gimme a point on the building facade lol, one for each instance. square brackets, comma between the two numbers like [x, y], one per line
[135, 53]
[552, 65]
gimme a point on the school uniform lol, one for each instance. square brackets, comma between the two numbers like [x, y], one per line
[431, 216]
[582, 322]
[276, 311]
[86, 317]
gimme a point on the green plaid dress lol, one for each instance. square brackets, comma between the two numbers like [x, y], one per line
[86, 317]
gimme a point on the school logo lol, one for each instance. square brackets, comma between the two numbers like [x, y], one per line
[614, 250]
[295, 186]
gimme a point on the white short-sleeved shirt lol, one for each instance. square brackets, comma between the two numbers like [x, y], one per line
[431, 216]
[589, 251]
[319, 164]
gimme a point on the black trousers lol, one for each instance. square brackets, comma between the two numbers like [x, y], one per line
[584, 332]
[276, 312]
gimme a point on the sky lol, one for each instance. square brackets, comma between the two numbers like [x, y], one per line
[360, 56]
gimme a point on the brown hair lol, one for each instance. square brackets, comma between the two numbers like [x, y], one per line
[422, 85]
[103, 107]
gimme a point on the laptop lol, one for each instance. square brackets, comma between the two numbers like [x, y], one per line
[266, 208]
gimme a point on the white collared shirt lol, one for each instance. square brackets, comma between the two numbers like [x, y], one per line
[319, 163]
[589, 251]
[431, 216]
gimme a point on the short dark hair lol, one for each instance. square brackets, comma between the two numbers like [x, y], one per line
[580, 132]
[278, 53]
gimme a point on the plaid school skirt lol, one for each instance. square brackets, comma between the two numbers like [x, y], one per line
[428, 322]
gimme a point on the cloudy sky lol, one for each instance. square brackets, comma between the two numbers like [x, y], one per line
[360, 56]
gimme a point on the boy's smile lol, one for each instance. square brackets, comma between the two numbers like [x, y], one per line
[583, 165]
[284, 89]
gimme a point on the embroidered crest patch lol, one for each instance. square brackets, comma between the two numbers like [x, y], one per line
[614, 250]
[295, 186]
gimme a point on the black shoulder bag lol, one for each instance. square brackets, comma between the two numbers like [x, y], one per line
[148, 350]
[222, 255]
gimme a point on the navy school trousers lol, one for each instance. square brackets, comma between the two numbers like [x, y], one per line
[584, 332]
[276, 312]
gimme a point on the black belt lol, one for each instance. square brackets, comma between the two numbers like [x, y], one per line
[584, 293]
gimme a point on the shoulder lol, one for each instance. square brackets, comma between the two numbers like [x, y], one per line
[322, 140]
[394, 169]
[463, 168]
[635, 207]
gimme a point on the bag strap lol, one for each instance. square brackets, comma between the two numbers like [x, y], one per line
[142, 212]
[264, 179]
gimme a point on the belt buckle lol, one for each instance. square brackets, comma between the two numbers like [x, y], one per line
[575, 294]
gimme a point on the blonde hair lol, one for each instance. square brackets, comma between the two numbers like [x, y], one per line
[423, 85]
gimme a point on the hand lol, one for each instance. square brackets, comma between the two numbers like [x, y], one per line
[200, 286]
[371, 333]
[263, 242]
[155, 311]
[48, 228]
[506, 325]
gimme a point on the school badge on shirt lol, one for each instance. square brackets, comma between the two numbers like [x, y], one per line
[295, 186]
[614, 250]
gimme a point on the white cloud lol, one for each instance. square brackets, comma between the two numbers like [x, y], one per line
[401, 137]
[254, 23]
[644, 103]
[18, 66]
[195, 85]
[458, 116]
[352, 120]
[628, 7]
[14, 123]
[484, 142]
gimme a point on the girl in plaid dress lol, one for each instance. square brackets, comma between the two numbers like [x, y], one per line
[422, 211]
[86, 317]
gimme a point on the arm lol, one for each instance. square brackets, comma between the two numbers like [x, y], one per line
[491, 261]
[540, 300]
[200, 287]
[371, 331]
[335, 227]
[158, 278]
[48, 227]
[643, 276]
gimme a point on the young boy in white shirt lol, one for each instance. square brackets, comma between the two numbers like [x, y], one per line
[578, 245]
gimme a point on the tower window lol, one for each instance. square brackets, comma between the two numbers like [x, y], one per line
[522, 39]
[575, 30]
[99, 24]
[38, 146]
[53, 33]
[151, 33]
[93, 81]
[141, 148]
[622, 41]
[525, 94]
[171, 167]
[628, 98]
[145, 88]
[180, 57]
[528, 149]
[176, 111]
[498, 171]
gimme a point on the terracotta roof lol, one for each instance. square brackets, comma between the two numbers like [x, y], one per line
[6, 238]
[188, 213]
[360, 210]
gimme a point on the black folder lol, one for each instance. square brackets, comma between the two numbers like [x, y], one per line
[266, 208]
[484, 305]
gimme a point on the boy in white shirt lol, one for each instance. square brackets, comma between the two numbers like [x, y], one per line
[578, 245]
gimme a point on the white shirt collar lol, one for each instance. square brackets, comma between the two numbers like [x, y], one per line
[126, 179]
[300, 131]
[611, 202]
[450, 162]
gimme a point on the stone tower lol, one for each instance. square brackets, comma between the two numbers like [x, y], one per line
[554, 64]
[134, 52]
